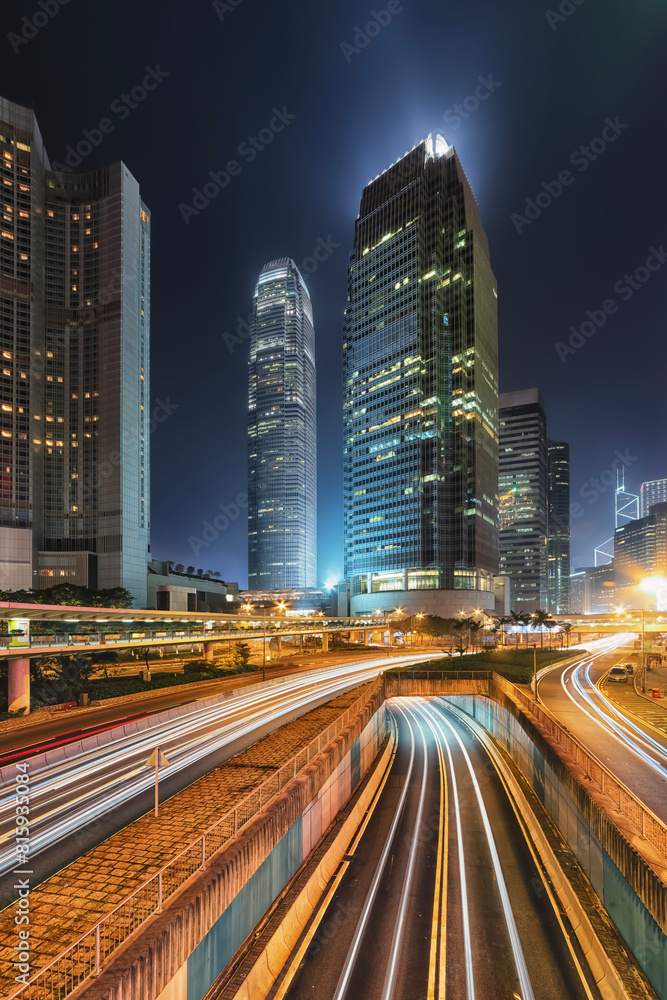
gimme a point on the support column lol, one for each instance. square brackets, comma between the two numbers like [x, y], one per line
[367, 637]
[19, 685]
[325, 642]
[278, 639]
[208, 650]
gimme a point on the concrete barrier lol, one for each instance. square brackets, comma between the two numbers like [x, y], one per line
[199, 930]
[267, 968]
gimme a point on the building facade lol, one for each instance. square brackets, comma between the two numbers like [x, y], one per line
[640, 552]
[652, 493]
[420, 368]
[523, 488]
[558, 527]
[173, 591]
[75, 312]
[282, 433]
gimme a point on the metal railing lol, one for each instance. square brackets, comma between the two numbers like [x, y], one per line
[442, 675]
[647, 824]
[86, 956]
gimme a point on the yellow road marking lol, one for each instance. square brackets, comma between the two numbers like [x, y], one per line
[312, 930]
[440, 878]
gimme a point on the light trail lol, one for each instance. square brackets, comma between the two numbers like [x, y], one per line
[353, 952]
[388, 991]
[519, 960]
[68, 794]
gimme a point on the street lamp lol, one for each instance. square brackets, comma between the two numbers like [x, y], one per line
[621, 610]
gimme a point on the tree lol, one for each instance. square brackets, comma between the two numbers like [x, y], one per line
[466, 628]
[200, 572]
[190, 570]
[217, 573]
[518, 619]
[499, 626]
[544, 620]
[240, 654]
[566, 628]
[178, 568]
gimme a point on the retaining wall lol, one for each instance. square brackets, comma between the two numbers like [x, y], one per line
[183, 950]
[633, 894]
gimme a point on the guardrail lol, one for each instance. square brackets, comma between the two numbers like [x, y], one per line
[85, 958]
[645, 822]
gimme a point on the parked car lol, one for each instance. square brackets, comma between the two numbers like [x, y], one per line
[618, 674]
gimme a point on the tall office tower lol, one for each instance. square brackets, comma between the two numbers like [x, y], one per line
[75, 315]
[420, 366]
[558, 526]
[640, 552]
[650, 493]
[522, 482]
[282, 433]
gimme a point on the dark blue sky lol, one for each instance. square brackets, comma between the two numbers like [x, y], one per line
[554, 83]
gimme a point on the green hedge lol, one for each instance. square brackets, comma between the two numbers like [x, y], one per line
[515, 665]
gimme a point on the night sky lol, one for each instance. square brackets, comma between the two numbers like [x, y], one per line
[552, 81]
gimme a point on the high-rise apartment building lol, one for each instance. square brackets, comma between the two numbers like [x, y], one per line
[74, 329]
[558, 527]
[420, 367]
[523, 487]
[651, 493]
[282, 433]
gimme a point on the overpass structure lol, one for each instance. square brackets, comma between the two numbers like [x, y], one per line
[124, 628]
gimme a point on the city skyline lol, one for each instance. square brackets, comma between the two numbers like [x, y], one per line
[547, 282]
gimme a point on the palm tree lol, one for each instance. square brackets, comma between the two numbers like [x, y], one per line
[566, 628]
[463, 626]
[519, 618]
[544, 620]
[499, 626]
[474, 628]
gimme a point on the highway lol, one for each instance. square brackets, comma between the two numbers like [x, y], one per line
[54, 728]
[441, 896]
[630, 747]
[77, 802]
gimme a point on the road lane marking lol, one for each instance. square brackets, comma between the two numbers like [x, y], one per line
[353, 952]
[388, 990]
[517, 951]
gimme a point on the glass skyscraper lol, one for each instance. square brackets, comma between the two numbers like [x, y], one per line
[523, 485]
[420, 369]
[282, 433]
[558, 527]
[74, 388]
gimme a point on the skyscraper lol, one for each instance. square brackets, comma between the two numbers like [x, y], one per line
[420, 369]
[282, 433]
[650, 493]
[558, 525]
[75, 316]
[522, 483]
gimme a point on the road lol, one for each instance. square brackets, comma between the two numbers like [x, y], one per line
[633, 749]
[48, 729]
[98, 791]
[441, 896]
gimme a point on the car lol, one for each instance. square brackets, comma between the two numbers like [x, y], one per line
[619, 674]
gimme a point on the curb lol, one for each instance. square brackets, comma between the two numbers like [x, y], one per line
[602, 967]
[266, 970]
